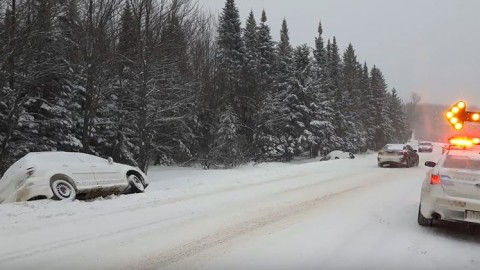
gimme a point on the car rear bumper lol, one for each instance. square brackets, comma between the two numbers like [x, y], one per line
[391, 160]
[446, 207]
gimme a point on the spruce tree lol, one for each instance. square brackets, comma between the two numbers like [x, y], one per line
[381, 127]
[397, 115]
[225, 149]
[230, 55]
[251, 81]
[266, 56]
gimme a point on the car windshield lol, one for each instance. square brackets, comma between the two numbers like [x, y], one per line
[461, 162]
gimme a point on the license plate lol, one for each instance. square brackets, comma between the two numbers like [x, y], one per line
[472, 216]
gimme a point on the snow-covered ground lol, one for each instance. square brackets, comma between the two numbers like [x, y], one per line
[341, 214]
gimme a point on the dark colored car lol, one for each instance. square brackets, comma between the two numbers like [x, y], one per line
[398, 155]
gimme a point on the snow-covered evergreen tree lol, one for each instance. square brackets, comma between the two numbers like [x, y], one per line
[397, 115]
[349, 90]
[225, 149]
[382, 125]
[266, 56]
[230, 55]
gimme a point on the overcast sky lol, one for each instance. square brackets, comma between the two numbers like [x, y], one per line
[426, 46]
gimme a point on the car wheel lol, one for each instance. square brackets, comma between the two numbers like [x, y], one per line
[136, 183]
[423, 221]
[63, 190]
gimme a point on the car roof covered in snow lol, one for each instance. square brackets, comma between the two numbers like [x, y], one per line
[395, 146]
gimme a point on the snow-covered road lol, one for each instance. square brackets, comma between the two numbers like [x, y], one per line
[342, 214]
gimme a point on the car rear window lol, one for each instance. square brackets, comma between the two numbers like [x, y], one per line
[426, 144]
[454, 162]
[394, 147]
[458, 162]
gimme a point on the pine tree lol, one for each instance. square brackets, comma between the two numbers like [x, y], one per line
[230, 55]
[382, 124]
[367, 107]
[266, 56]
[127, 43]
[251, 81]
[284, 81]
[320, 53]
[230, 59]
[334, 67]
[349, 91]
[266, 141]
[225, 150]
[397, 115]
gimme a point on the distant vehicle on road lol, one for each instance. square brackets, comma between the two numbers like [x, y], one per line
[398, 155]
[451, 190]
[337, 154]
[66, 176]
[425, 147]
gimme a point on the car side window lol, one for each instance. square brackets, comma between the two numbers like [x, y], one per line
[90, 158]
[62, 158]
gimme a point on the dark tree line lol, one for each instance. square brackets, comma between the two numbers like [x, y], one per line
[161, 82]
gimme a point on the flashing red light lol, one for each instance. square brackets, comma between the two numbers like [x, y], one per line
[435, 179]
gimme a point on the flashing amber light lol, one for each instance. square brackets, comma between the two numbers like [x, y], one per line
[461, 105]
[476, 117]
[449, 115]
[455, 109]
[464, 141]
[458, 126]
[454, 120]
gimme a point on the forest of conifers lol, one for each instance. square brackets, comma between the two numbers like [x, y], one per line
[165, 82]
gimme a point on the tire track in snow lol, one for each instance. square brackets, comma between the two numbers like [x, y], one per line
[162, 202]
[39, 249]
[229, 233]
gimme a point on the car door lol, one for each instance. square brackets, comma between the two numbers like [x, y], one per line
[106, 174]
[79, 171]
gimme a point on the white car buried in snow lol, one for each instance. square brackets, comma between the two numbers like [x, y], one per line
[337, 154]
[451, 190]
[66, 176]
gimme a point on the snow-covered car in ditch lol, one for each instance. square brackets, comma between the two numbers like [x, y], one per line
[425, 147]
[398, 155]
[337, 154]
[66, 176]
[451, 190]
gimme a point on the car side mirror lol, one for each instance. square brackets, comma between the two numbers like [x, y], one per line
[430, 164]
[110, 160]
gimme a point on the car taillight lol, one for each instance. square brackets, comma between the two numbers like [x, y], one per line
[30, 171]
[402, 153]
[435, 179]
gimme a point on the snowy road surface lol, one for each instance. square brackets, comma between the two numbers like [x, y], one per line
[342, 214]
